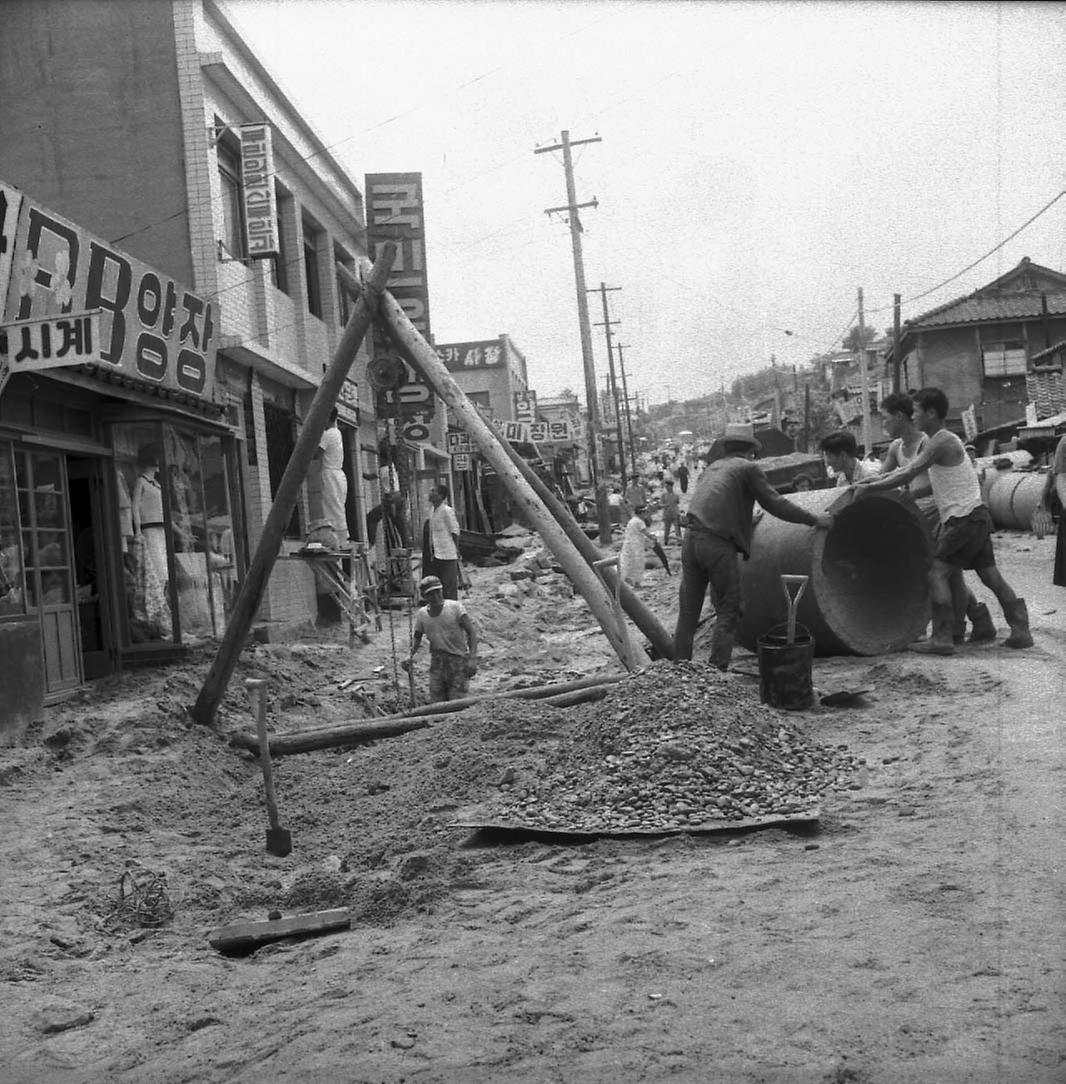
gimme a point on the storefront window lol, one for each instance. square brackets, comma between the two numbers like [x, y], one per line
[177, 529]
[143, 526]
[12, 591]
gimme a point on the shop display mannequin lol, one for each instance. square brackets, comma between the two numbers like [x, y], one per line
[148, 527]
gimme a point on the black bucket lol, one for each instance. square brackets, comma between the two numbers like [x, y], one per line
[785, 670]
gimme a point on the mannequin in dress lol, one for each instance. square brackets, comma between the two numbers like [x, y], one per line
[147, 511]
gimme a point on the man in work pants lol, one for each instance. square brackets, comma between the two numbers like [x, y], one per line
[965, 536]
[452, 642]
[718, 531]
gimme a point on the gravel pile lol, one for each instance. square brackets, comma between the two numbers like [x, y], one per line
[676, 747]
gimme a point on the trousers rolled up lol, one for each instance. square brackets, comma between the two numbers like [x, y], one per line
[708, 561]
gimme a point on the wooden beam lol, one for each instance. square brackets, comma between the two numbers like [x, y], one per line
[288, 492]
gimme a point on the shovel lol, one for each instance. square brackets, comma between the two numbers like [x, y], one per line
[278, 840]
[787, 583]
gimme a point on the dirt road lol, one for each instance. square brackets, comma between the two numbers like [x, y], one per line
[916, 935]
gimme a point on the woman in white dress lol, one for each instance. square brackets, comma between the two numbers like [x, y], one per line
[148, 530]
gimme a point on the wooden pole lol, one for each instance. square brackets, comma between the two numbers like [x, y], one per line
[864, 381]
[897, 359]
[325, 737]
[631, 602]
[251, 592]
[584, 579]
[629, 413]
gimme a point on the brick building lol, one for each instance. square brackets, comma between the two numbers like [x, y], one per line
[138, 127]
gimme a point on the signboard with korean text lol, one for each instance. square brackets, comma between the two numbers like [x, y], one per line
[479, 355]
[461, 461]
[10, 202]
[525, 406]
[32, 345]
[459, 442]
[257, 192]
[394, 212]
[150, 326]
[538, 432]
[560, 432]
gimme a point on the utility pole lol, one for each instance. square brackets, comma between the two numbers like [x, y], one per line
[629, 414]
[897, 359]
[607, 325]
[864, 381]
[571, 208]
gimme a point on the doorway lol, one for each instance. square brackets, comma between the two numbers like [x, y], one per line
[91, 582]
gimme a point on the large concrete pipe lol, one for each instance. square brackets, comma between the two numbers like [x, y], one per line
[1013, 497]
[867, 592]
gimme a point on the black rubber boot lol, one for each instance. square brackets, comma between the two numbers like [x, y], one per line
[942, 641]
[1018, 616]
[984, 628]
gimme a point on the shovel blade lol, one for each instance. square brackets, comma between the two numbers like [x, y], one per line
[279, 842]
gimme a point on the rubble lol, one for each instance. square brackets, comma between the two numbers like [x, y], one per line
[676, 746]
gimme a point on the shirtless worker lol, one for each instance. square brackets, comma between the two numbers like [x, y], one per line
[897, 418]
[452, 642]
[718, 531]
[964, 539]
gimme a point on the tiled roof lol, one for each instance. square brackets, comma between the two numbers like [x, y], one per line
[1047, 391]
[972, 310]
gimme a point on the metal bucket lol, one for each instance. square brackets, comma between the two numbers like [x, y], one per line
[786, 678]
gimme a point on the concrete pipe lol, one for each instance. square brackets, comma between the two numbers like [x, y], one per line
[867, 592]
[1013, 497]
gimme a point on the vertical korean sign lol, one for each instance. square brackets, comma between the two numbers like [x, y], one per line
[257, 181]
[64, 291]
[10, 202]
[394, 212]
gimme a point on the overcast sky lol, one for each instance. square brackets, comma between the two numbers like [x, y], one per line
[758, 163]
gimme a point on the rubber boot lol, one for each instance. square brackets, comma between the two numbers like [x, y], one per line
[984, 627]
[1018, 616]
[942, 641]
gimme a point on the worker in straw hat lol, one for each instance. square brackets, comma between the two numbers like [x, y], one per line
[452, 642]
[718, 530]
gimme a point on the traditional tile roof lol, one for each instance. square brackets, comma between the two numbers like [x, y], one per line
[1048, 391]
[974, 310]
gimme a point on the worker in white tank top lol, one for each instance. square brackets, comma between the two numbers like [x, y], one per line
[965, 536]
[956, 488]
[897, 419]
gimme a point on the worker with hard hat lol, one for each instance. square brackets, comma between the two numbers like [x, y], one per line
[452, 642]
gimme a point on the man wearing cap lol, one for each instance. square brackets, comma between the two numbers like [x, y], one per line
[452, 642]
[718, 529]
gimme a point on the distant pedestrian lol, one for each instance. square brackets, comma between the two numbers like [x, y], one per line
[671, 513]
[631, 557]
[682, 477]
[440, 542]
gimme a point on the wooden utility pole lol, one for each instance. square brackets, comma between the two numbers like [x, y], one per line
[255, 581]
[897, 359]
[572, 208]
[530, 507]
[629, 413]
[606, 325]
[864, 381]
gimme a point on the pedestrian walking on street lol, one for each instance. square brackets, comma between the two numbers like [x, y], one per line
[671, 513]
[440, 542]
[682, 477]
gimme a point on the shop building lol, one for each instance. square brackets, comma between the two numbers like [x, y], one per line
[141, 151]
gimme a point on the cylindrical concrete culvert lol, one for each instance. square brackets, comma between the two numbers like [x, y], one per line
[1012, 498]
[867, 590]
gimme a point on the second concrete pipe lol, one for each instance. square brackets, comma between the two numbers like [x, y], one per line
[867, 590]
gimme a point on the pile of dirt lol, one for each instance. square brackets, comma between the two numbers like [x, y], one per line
[677, 746]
